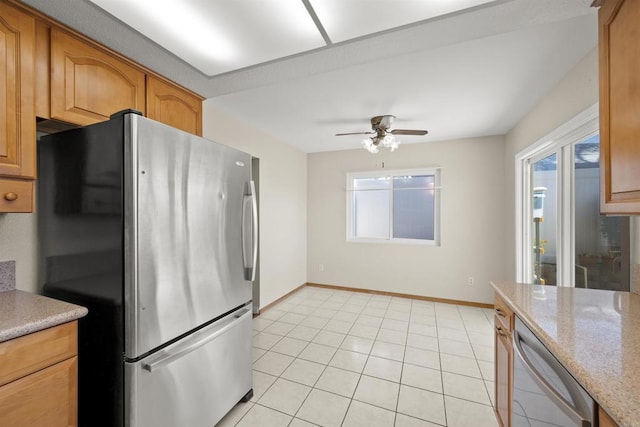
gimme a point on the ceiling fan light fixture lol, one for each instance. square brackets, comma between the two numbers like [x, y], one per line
[370, 145]
[382, 135]
[389, 141]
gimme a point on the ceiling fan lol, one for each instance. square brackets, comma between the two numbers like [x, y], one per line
[382, 134]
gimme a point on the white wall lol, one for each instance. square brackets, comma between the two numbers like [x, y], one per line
[577, 91]
[18, 241]
[283, 201]
[472, 221]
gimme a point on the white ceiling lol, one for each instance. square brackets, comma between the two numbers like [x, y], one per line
[468, 73]
[349, 19]
[478, 87]
[221, 36]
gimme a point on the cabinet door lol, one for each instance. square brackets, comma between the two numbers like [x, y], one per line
[43, 399]
[30, 353]
[503, 367]
[43, 70]
[17, 117]
[619, 68]
[88, 84]
[173, 106]
[604, 420]
[503, 314]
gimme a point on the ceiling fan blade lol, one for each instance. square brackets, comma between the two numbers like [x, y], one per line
[355, 133]
[408, 132]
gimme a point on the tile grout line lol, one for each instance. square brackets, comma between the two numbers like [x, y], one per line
[478, 365]
[312, 387]
[444, 401]
[361, 373]
[364, 305]
[404, 356]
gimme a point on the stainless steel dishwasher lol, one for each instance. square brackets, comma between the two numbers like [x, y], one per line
[544, 392]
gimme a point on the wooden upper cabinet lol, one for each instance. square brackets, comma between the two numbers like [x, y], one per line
[88, 84]
[43, 70]
[17, 119]
[171, 105]
[51, 72]
[619, 50]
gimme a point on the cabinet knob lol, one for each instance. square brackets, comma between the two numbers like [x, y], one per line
[10, 196]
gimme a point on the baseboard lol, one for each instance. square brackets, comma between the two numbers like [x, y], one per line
[288, 294]
[400, 295]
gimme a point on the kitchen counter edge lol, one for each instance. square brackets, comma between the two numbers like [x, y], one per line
[618, 408]
[23, 313]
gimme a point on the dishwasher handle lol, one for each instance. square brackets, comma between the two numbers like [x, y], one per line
[549, 390]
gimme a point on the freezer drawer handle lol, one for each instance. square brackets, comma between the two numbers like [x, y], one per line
[250, 251]
[169, 356]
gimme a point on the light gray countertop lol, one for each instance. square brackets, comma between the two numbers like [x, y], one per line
[595, 334]
[22, 313]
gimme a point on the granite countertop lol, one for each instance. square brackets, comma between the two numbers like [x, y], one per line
[595, 334]
[22, 313]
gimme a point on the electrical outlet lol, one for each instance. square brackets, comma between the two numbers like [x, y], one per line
[321, 267]
[470, 281]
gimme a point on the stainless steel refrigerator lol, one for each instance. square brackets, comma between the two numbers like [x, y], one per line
[155, 231]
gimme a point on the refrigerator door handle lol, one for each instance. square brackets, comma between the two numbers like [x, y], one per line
[169, 356]
[250, 239]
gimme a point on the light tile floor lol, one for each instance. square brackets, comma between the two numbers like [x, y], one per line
[339, 358]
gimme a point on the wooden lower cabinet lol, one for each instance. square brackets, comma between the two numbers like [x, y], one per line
[39, 377]
[503, 376]
[46, 398]
[504, 320]
[604, 420]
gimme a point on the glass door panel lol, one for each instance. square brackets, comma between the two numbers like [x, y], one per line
[544, 220]
[601, 242]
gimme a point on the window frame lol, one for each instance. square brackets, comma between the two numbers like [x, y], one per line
[434, 171]
[561, 142]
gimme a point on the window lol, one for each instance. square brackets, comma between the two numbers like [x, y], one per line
[393, 206]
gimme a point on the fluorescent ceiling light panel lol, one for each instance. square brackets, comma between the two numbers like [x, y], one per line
[217, 36]
[349, 19]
